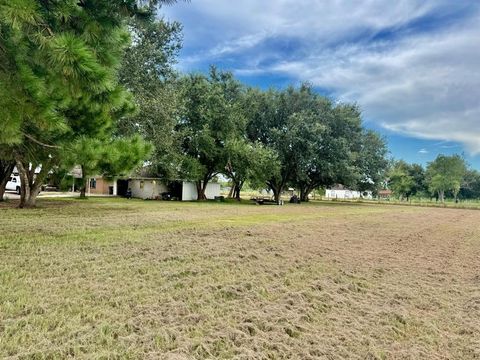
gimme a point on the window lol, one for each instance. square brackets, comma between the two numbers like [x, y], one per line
[93, 183]
[142, 184]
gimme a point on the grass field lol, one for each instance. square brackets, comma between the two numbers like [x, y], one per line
[118, 279]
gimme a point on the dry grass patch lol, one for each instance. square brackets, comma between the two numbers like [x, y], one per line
[133, 279]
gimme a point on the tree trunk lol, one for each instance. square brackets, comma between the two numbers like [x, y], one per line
[83, 189]
[304, 192]
[201, 191]
[31, 201]
[441, 196]
[277, 190]
[231, 192]
[31, 184]
[202, 186]
[6, 169]
[238, 188]
[25, 184]
[276, 195]
[2, 190]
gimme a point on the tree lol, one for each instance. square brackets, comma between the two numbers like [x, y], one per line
[400, 180]
[211, 117]
[446, 173]
[471, 185]
[6, 169]
[417, 172]
[250, 162]
[318, 144]
[59, 69]
[332, 140]
[372, 161]
[274, 120]
[147, 71]
[113, 158]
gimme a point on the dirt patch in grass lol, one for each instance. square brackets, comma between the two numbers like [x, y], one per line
[132, 279]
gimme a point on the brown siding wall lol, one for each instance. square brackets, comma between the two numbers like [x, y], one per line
[102, 186]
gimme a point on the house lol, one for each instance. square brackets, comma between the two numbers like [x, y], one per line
[155, 188]
[340, 192]
[99, 185]
[149, 188]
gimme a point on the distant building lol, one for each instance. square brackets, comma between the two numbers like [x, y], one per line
[384, 194]
[341, 192]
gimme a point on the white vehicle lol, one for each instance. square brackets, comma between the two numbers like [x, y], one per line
[14, 184]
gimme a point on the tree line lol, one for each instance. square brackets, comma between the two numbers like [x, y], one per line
[446, 176]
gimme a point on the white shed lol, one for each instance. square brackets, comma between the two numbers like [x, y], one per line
[189, 191]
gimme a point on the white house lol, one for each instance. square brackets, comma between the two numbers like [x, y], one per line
[153, 188]
[340, 192]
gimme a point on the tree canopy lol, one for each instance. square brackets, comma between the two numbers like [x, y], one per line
[446, 173]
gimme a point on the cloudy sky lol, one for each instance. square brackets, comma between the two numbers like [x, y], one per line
[412, 66]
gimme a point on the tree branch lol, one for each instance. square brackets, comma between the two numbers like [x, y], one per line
[39, 142]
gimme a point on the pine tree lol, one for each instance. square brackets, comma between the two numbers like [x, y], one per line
[59, 65]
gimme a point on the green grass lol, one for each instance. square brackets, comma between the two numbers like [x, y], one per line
[131, 279]
[449, 203]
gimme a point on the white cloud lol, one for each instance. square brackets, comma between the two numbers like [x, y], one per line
[423, 151]
[416, 82]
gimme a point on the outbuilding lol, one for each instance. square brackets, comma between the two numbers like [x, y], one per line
[157, 189]
[189, 191]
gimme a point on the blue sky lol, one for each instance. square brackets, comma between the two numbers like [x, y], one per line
[413, 66]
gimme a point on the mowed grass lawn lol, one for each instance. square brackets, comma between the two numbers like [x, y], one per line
[119, 279]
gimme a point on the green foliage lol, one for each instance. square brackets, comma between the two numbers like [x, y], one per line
[77, 91]
[249, 162]
[372, 161]
[211, 117]
[400, 180]
[112, 158]
[121, 156]
[446, 173]
[59, 75]
[318, 143]
[147, 71]
[471, 185]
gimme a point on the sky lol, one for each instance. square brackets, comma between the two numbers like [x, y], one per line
[413, 66]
